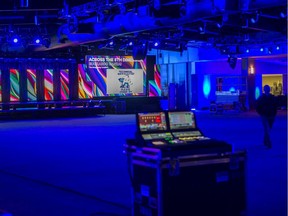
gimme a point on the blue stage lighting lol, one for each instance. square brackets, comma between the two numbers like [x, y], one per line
[15, 40]
[257, 92]
[283, 14]
[206, 86]
[37, 41]
[144, 43]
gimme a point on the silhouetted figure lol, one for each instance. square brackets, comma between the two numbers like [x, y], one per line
[266, 107]
[280, 88]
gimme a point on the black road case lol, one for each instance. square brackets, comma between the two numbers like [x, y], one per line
[208, 184]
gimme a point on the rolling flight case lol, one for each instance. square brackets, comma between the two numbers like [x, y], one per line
[208, 184]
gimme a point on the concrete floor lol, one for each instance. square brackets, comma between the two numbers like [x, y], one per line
[76, 166]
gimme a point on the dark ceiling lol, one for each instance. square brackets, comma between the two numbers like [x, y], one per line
[89, 26]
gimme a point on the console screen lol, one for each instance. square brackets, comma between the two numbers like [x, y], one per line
[152, 121]
[181, 120]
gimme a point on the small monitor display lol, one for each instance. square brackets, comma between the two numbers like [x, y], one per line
[152, 122]
[181, 120]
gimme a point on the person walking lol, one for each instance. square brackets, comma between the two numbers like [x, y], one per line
[266, 107]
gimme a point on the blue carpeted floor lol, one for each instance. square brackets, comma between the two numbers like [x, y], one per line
[76, 166]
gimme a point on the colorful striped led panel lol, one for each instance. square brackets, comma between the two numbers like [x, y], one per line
[31, 85]
[48, 84]
[157, 75]
[154, 91]
[155, 85]
[64, 81]
[0, 86]
[84, 83]
[14, 85]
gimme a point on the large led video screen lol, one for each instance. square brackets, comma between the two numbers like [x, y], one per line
[48, 84]
[31, 85]
[14, 85]
[64, 84]
[111, 76]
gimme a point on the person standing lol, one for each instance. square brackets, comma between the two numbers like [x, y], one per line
[266, 107]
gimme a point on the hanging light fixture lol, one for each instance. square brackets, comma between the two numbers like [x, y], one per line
[254, 19]
[202, 28]
[24, 3]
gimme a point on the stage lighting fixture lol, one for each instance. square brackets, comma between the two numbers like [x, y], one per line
[202, 28]
[123, 47]
[247, 50]
[37, 41]
[283, 14]
[219, 25]
[111, 43]
[144, 43]
[254, 18]
[15, 39]
[224, 19]
[101, 46]
[246, 37]
[261, 49]
[270, 50]
[46, 42]
[36, 20]
[224, 50]
[156, 44]
[244, 22]
[232, 61]
[277, 47]
[24, 3]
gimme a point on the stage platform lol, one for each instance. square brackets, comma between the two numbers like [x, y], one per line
[51, 109]
[87, 107]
